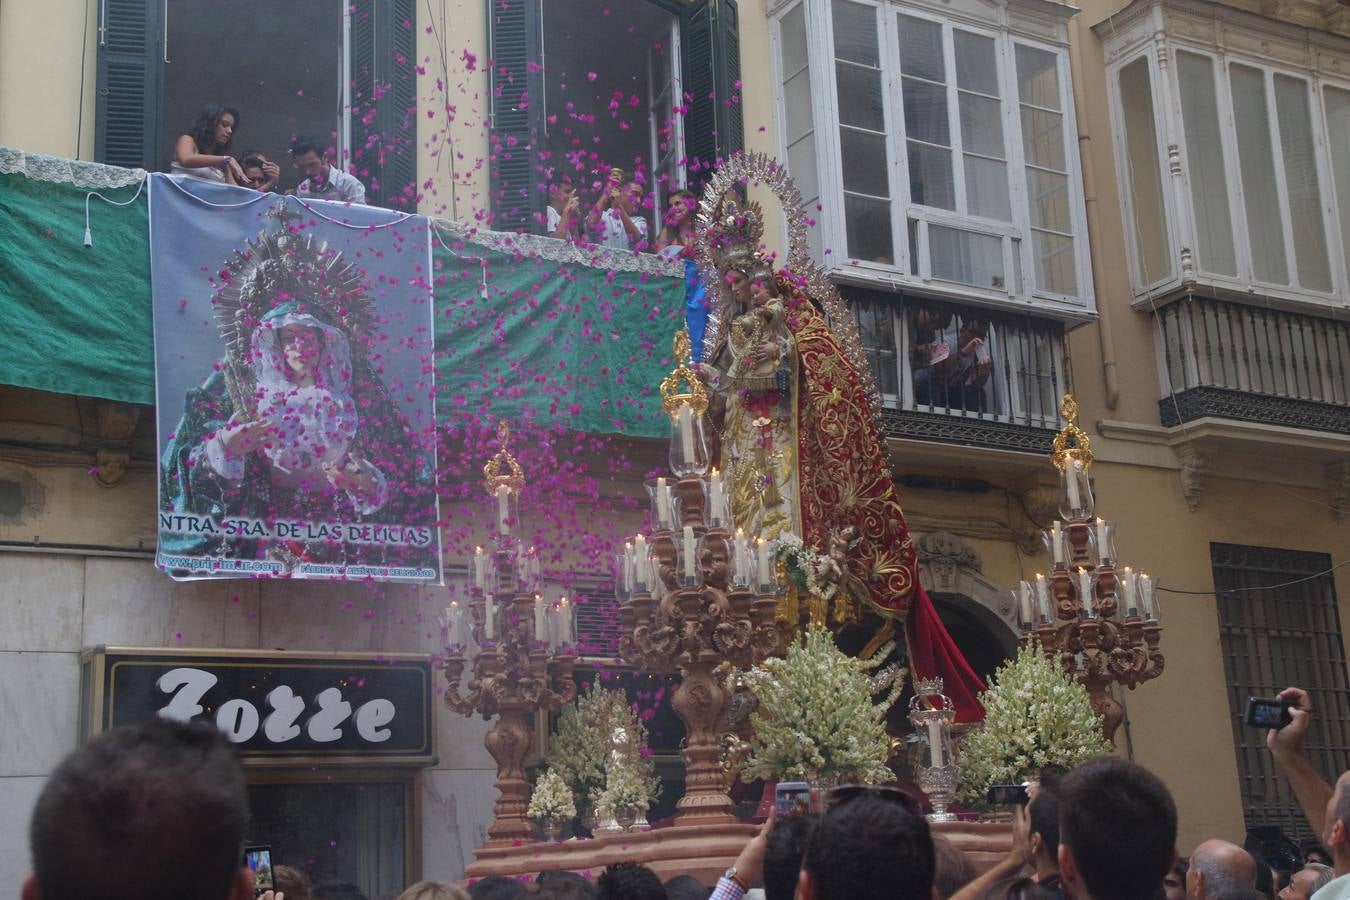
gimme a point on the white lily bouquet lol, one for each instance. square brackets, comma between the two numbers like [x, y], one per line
[816, 717]
[551, 798]
[580, 750]
[816, 574]
[1035, 718]
[624, 789]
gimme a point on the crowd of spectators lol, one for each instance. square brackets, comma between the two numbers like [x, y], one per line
[159, 811]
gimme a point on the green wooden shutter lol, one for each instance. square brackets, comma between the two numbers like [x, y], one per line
[713, 127]
[515, 84]
[384, 100]
[130, 69]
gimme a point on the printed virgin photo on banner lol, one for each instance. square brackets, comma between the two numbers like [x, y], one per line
[294, 377]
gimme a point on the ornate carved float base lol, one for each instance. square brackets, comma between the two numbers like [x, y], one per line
[704, 851]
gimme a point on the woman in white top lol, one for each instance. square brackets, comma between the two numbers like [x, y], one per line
[677, 234]
[203, 152]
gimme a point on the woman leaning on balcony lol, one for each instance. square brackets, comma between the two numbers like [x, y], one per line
[203, 151]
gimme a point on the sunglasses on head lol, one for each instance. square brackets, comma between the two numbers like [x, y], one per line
[846, 792]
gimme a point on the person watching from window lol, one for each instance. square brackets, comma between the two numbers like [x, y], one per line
[676, 239]
[203, 150]
[322, 180]
[967, 366]
[615, 215]
[260, 173]
[564, 210]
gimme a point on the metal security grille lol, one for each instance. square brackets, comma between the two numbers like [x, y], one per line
[1276, 634]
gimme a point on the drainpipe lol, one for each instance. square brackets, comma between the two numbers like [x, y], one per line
[1104, 334]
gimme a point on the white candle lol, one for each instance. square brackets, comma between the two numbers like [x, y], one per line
[742, 553]
[1103, 551]
[935, 755]
[1085, 592]
[690, 553]
[1057, 542]
[536, 567]
[1146, 598]
[1127, 592]
[503, 509]
[715, 497]
[1071, 481]
[662, 504]
[540, 626]
[479, 568]
[762, 547]
[1043, 598]
[1024, 598]
[455, 615]
[686, 427]
[641, 572]
[628, 567]
[489, 618]
[564, 623]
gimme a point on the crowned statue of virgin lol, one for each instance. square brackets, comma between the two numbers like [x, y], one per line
[795, 407]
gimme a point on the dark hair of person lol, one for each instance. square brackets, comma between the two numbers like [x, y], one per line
[292, 882]
[338, 890]
[497, 887]
[952, 870]
[870, 848]
[1311, 846]
[1044, 811]
[1238, 893]
[1265, 877]
[629, 881]
[783, 852]
[686, 887]
[563, 885]
[305, 144]
[1017, 888]
[161, 797]
[1120, 823]
[251, 159]
[203, 130]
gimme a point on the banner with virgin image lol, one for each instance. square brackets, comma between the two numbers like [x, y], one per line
[294, 387]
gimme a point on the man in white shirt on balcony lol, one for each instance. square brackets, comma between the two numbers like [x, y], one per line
[323, 181]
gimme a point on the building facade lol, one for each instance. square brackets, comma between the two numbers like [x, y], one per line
[1146, 203]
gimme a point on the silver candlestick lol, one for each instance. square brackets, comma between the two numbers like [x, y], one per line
[932, 714]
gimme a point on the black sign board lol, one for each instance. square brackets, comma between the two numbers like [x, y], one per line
[278, 708]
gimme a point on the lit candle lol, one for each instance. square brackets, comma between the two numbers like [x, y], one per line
[935, 755]
[762, 547]
[742, 553]
[1071, 481]
[1024, 600]
[503, 509]
[628, 567]
[1043, 598]
[1057, 543]
[1125, 584]
[564, 623]
[455, 615]
[1103, 551]
[540, 626]
[479, 568]
[536, 567]
[686, 427]
[489, 618]
[715, 497]
[1146, 597]
[665, 516]
[690, 553]
[641, 576]
[1085, 592]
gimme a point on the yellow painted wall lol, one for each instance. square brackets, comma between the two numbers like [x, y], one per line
[48, 79]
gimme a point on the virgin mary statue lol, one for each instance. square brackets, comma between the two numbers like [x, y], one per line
[800, 446]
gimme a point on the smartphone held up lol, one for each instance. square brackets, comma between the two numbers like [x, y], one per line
[1268, 713]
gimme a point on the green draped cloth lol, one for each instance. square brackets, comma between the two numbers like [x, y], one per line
[524, 328]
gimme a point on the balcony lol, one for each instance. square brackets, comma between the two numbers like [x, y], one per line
[968, 376]
[1253, 364]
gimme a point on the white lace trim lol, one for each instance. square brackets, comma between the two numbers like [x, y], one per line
[69, 171]
[555, 250]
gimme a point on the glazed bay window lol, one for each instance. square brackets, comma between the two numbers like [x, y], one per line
[938, 141]
[1233, 143]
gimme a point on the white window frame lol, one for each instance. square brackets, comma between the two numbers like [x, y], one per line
[1155, 31]
[1038, 24]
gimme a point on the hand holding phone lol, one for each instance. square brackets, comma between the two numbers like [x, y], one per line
[1008, 795]
[1268, 713]
[792, 798]
[258, 858]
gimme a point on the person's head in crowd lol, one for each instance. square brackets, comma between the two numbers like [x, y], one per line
[1266, 880]
[432, 890]
[310, 156]
[338, 890]
[256, 171]
[630, 197]
[1174, 885]
[1307, 881]
[1336, 836]
[561, 192]
[1017, 888]
[686, 887]
[629, 881]
[1314, 852]
[159, 798]
[1117, 831]
[783, 854]
[214, 129]
[952, 870]
[680, 207]
[292, 882]
[1044, 812]
[563, 885]
[869, 845]
[1219, 867]
[497, 887]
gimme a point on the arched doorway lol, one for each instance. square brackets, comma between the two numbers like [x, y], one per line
[977, 612]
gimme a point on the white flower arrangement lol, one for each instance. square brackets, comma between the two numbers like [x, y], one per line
[551, 798]
[816, 717]
[1035, 718]
[579, 751]
[624, 787]
[815, 573]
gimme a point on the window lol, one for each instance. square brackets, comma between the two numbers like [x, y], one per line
[946, 158]
[961, 361]
[1279, 625]
[660, 102]
[1234, 167]
[347, 79]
